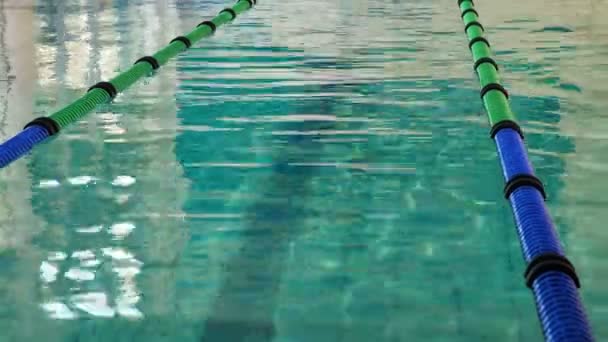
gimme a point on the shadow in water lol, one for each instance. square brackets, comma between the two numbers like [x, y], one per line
[253, 275]
[250, 287]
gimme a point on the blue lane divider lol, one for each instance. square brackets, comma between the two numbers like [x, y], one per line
[512, 154]
[554, 282]
[559, 309]
[21, 144]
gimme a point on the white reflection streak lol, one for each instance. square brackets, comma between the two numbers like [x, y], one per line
[109, 54]
[48, 272]
[163, 237]
[78, 48]
[113, 56]
[58, 310]
[126, 267]
[121, 230]
[129, 294]
[18, 223]
[46, 54]
[93, 303]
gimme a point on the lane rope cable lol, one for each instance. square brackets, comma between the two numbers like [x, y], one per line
[549, 274]
[40, 129]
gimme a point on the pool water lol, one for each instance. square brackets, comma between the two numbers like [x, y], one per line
[316, 171]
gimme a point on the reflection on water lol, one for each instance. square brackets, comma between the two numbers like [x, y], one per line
[316, 171]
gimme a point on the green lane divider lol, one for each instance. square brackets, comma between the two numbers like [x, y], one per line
[40, 129]
[497, 105]
[104, 92]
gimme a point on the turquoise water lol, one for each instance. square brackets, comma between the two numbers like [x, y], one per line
[317, 171]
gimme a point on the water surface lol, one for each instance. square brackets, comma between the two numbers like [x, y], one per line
[316, 171]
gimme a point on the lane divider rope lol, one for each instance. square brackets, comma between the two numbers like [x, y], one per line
[182, 39]
[549, 274]
[150, 60]
[485, 60]
[473, 23]
[230, 11]
[40, 129]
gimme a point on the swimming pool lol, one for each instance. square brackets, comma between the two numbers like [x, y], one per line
[315, 171]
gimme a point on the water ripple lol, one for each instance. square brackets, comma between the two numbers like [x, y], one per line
[327, 150]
